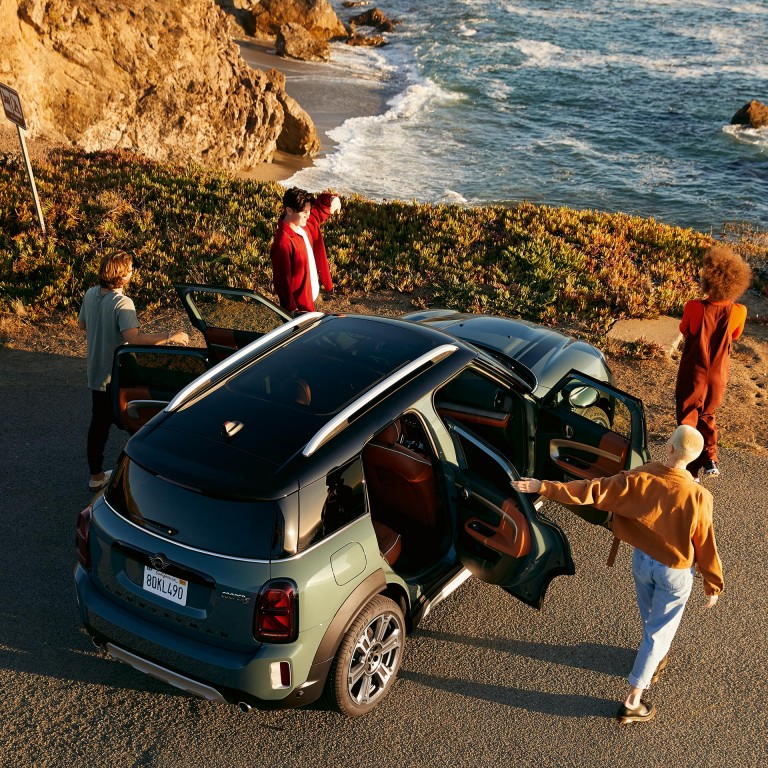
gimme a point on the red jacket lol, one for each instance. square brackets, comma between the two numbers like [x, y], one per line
[290, 262]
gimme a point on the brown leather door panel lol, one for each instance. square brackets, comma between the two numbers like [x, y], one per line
[132, 413]
[512, 535]
[587, 461]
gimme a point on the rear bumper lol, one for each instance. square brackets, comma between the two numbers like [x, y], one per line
[202, 669]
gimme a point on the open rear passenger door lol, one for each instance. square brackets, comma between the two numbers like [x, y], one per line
[500, 537]
[146, 378]
[229, 318]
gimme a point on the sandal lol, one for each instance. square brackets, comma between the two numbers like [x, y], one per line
[662, 664]
[644, 712]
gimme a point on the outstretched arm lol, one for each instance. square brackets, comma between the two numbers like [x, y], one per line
[526, 485]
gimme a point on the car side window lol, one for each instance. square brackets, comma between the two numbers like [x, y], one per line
[596, 404]
[329, 504]
[481, 462]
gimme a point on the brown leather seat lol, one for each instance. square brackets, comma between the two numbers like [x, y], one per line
[390, 543]
[401, 481]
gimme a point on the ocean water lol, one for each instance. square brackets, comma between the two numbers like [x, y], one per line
[615, 105]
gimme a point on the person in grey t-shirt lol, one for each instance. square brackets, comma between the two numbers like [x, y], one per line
[109, 319]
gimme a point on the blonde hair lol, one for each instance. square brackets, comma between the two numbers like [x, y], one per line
[687, 443]
[114, 269]
[724, 274]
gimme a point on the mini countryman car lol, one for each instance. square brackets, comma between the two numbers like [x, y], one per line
[299, 494]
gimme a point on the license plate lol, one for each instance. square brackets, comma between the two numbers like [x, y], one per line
[169, 587]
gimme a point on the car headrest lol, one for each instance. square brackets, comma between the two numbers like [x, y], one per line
[390, 433]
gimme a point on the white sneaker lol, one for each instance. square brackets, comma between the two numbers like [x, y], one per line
[94, 485]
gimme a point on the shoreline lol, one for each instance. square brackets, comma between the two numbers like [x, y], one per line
[326, 91]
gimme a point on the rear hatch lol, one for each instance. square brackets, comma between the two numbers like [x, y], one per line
[186, 561]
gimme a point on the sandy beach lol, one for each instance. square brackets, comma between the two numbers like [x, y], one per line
[328, 92]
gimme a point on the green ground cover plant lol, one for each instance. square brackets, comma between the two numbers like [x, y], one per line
[579, 270]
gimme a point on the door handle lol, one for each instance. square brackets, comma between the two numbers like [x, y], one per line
[465, 493]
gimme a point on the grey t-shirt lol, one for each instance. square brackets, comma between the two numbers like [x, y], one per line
[105, 316]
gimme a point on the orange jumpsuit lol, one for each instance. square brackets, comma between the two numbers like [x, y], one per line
[709, 328]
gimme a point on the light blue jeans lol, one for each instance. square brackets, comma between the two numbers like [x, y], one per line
[662, 593]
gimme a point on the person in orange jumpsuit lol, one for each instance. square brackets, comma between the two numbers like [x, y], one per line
[709, 326]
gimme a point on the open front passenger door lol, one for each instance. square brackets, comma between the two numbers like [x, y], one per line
[587, 429]
[500, 537]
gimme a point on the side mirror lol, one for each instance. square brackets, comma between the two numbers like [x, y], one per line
[580, 395]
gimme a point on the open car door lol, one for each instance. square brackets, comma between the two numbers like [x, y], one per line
[229, 318]
[587, 429]
[146, 378]
[500, 537]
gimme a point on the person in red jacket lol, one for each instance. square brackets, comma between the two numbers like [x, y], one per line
[709, 326]
[299, 260]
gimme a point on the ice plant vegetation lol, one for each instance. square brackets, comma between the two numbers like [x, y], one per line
[573, 269]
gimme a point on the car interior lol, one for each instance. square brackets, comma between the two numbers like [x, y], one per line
[485, 407]
[406, 496]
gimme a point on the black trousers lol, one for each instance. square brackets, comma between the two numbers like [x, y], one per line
[98, 432]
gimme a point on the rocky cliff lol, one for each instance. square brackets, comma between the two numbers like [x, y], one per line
[163, 78]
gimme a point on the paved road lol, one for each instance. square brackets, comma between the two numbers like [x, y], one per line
[485, 681]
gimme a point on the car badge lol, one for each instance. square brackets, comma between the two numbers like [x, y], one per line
[244, 599]
[231, 428]
[159, 562]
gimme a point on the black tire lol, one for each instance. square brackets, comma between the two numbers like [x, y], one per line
[368, 659]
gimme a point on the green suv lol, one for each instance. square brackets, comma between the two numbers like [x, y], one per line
[282, 518]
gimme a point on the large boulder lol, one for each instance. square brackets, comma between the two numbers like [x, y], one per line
[295, 41]
[373, 18]
[316, 16]
[299, 135]
[754, 114]
[164, 79]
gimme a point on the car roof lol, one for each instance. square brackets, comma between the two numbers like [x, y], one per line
[246, 434]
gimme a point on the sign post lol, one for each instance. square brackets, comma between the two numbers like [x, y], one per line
[13, 111]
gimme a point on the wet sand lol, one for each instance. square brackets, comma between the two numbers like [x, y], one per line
[326, 91]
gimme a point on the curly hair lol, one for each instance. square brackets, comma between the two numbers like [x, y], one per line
[114, 269]
[724, 275]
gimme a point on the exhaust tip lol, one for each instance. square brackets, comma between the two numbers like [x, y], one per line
[98, 644]
[245, 707]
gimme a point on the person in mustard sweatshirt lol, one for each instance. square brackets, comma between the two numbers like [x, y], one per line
[667, 518]
[709, 326]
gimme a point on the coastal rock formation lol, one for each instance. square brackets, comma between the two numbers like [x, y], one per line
[299, 135]
[373, 18]
[375, 41]
[164, 79]
[295, 41]
[316, 16]
[754, 114]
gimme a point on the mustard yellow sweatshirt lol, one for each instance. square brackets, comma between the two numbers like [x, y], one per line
[658, 509]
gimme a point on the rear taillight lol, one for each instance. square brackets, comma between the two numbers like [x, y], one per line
[83, 538]
[276, 617]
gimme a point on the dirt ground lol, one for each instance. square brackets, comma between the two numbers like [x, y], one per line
[742, 419]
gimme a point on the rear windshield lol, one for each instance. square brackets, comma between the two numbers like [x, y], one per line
[250, 529]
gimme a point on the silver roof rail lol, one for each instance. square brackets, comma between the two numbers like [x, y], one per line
[234, 359]
[340, 421]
